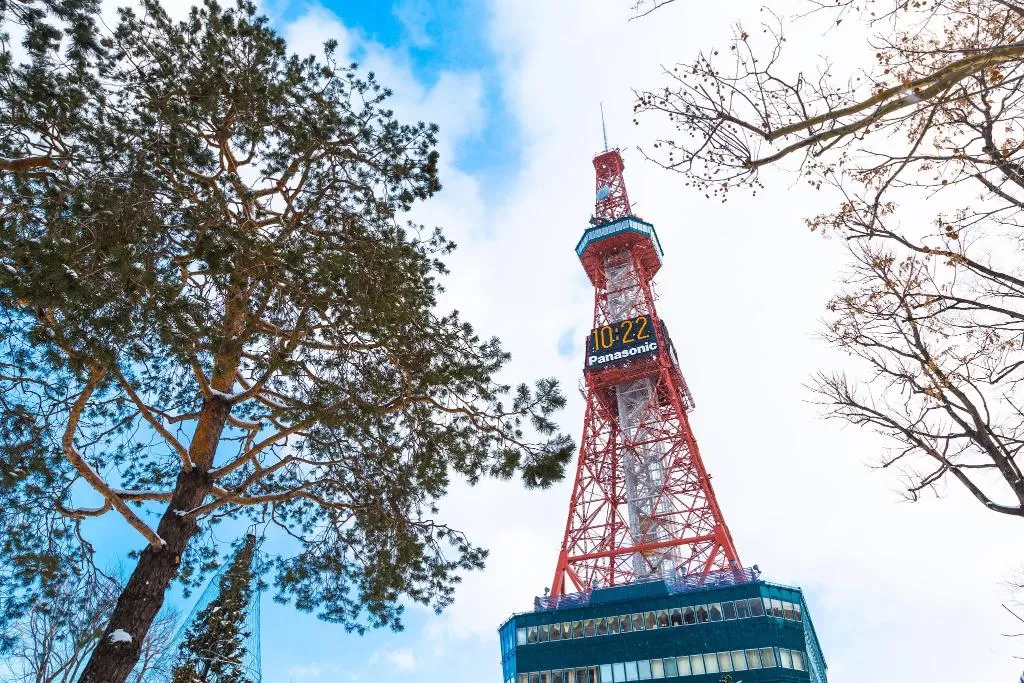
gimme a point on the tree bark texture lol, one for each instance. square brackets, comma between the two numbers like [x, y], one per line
[143, 596]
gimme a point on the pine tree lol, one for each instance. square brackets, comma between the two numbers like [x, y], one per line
[218, 309]
[214, 648]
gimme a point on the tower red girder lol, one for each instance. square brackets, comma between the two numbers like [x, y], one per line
[642, 505]
[608, 167]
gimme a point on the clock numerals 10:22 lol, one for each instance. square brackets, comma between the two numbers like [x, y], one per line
[624, 332]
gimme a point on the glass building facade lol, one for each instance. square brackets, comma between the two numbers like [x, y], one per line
[749, 629]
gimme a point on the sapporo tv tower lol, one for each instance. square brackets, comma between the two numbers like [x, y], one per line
[648, 583]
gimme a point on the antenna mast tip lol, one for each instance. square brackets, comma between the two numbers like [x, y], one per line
[604, 129]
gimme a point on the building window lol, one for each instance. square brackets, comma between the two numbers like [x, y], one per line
[739, 660]
[535, 678]
[524, 678]
[570, 676]
[556, 676]
[581, 675]
[798, 660]
[711, 663]
[618, 672]
[753, 660]
[671, 670]
[768, 657]
[785, 658]
[545, 677]
[696, 664]
[606, 673]
[683, 664]
[657, 669]
[724, 662]
[715, 611]
[631, 672]
[638, 621]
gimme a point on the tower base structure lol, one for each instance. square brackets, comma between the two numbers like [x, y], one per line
[700, 628]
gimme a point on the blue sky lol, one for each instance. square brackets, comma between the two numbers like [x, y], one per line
[431, 38]
[515, 86]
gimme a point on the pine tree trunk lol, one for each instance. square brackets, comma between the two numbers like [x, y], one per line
[143, 596]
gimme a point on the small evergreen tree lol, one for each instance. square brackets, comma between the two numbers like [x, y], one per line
[214, 647]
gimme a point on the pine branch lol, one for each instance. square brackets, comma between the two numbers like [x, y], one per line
[90, 475]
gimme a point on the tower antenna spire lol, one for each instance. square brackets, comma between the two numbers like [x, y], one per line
[604, 129]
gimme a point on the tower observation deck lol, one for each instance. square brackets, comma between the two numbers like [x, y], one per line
[646, 553]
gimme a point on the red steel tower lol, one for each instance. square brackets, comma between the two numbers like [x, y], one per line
[642, 505]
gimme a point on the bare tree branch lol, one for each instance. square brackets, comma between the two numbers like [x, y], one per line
[933, 304]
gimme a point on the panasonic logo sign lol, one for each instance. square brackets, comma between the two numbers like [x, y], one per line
[625, 354]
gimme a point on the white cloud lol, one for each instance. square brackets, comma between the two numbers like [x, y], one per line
[402, 659]
[305, 671]
[415, 17]
[307, 34]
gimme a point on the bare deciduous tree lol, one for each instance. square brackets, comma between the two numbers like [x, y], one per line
[934, 305]
[53, 641]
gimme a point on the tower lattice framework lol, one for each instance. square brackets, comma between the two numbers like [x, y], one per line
[642, 504]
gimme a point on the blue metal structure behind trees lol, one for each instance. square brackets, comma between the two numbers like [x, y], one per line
[246, 660]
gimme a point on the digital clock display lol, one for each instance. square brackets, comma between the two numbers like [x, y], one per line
[621, 341]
